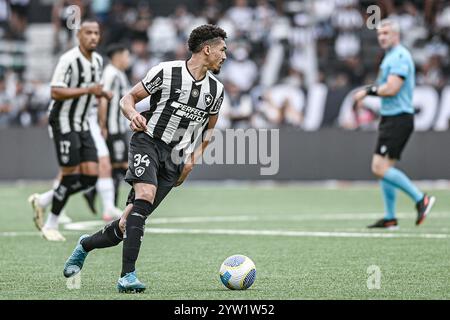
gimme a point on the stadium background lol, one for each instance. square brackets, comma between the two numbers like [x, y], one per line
[308, 240]
[305, 55]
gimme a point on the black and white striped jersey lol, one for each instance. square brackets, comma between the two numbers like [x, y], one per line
[74, 71]
[116, 81]
[179, 105]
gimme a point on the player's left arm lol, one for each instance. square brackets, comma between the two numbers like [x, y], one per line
[102, 115]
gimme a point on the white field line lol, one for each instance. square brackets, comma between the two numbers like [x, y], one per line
[87, 225]
[324, 234]
[93, 225]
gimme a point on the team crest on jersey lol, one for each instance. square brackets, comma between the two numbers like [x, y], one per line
[65, 159]
[208, 99]
[139, 171]
[195, 93]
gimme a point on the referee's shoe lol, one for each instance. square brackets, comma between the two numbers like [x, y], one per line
[390, 224]
[424, 207]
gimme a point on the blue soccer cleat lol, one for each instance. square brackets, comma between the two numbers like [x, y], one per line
[75, 262]
[129, 283]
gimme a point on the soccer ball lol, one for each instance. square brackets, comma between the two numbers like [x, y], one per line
[238, 272]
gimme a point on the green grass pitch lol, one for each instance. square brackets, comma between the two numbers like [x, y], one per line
[308, 242]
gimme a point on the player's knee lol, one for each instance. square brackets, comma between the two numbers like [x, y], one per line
[70, 170]
[104, 167]
[142, 207]
[378, 169]
[88, 181]
[69, 184]
[146, 193]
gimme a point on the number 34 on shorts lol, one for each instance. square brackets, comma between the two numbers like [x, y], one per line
[139, 162]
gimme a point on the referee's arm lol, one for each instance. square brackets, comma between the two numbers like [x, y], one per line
[388, 89]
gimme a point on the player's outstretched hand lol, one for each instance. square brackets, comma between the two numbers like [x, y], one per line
[138, 123]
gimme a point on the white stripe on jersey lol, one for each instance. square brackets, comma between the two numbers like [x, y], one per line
[71, 114]
[116, 81]
[179, 103]
[165, 94]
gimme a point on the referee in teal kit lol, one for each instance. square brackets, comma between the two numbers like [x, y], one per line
[395, 85]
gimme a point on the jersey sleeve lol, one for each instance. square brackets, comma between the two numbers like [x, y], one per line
[108, 79]
[153, 81]
[62, 74]
[400, 66]
[216, 107]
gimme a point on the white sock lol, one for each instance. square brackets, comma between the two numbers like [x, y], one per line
[56, 183]
[52, 221]
[45, 198]
[105, 187]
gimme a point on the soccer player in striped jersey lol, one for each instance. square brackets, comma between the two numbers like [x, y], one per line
[113, 153]
[74, 87]
[112, 121]
[185, 99]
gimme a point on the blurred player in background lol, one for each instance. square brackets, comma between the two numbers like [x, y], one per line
[74, 87]
[185, 99]
[112, 122]
[105, 184]
[395, 86]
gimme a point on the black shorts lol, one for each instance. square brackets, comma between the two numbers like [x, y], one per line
[393, 134]
[74, 148]
[118, 148]
[150, 161]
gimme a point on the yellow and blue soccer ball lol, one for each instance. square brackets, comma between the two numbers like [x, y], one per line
[238, 272]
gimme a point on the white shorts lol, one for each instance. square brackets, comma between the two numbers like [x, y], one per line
[100, 143]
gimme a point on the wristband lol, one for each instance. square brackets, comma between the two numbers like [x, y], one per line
[372, 90]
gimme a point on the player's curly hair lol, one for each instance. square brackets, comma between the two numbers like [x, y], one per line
[203, 35]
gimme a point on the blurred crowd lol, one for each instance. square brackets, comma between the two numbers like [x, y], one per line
[276, 50]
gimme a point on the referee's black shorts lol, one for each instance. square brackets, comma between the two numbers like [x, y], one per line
[150, 161]
[393, 134]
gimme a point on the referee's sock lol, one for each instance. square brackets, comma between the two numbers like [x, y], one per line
[401, 181]
[389, 197]
[134, 233]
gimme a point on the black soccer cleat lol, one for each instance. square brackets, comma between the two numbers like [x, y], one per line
[390, 224]
[89, 196]
[424, 207]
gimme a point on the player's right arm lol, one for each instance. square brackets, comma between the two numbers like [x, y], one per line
[128, 107]
[62, 93]
[60, 89]
[149, 85]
